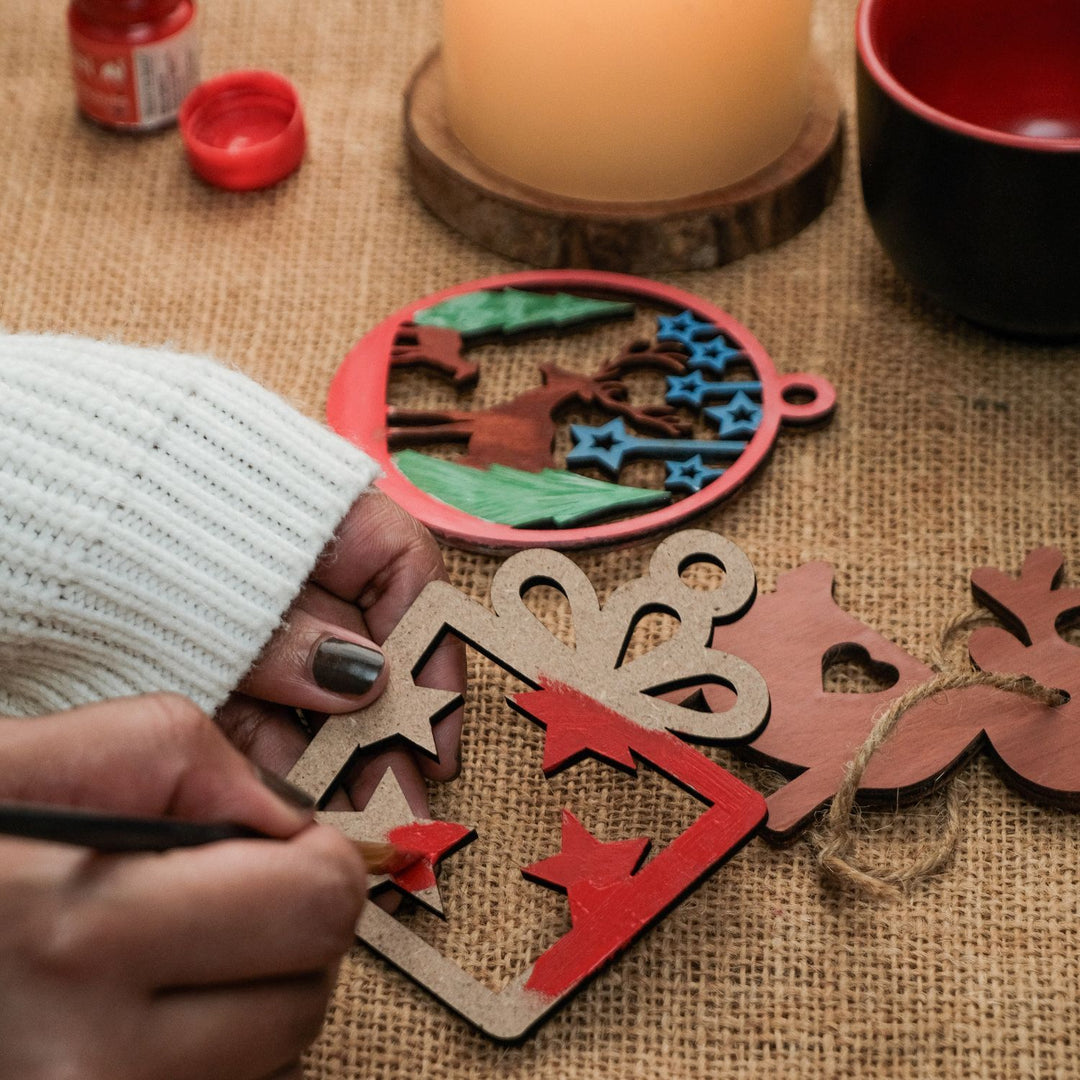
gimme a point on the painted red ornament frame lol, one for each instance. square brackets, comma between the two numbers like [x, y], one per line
[357, 409]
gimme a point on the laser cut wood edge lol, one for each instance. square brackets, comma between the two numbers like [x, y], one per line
[512, 637]
[697, 232]
[512, 1014]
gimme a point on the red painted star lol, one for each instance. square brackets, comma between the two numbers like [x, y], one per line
[576, 724]
[587, 867]
[435, 840]
[388, 817]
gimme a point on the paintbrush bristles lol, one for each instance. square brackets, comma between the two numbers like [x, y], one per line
[384, 858]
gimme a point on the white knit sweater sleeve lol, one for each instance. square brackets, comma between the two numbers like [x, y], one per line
[158, 514]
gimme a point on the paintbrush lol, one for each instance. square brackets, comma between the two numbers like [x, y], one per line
[112, 833]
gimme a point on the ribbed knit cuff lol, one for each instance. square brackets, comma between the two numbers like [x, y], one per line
[158, 514]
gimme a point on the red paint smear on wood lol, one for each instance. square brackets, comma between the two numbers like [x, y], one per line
[614, 915]
[434, 839]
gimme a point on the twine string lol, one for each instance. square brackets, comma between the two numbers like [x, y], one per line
[835, 855]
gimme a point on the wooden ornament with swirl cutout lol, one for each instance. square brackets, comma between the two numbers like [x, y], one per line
[592, 701]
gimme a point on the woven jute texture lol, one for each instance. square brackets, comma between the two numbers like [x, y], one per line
[950, 449]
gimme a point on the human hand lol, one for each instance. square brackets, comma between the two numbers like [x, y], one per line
[208, 963]
[377, 564]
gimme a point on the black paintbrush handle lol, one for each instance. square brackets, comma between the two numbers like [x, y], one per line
[113, 832]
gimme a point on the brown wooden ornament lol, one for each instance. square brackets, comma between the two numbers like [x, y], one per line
[388, 817]
[791, 636]
[593, 701]
[692, 233]
[1041, 754]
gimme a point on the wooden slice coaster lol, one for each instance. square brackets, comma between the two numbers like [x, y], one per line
[691, 233]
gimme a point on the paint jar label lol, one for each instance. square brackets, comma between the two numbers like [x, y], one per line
[136, 88]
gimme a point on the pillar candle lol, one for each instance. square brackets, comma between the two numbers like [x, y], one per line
[626, 100]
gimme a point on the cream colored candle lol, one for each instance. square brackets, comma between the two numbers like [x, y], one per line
[626, 100]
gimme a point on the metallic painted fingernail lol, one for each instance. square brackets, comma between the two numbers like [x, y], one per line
[284, 790]
[345, 667]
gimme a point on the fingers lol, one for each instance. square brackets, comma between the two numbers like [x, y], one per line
[213, 962]
[290, 1072]
[325, 659]
[154, 754]
[238, 1033]
[265, 910]
[317, 601]
[382, 559]
[314, 664]
[443, 669]
[267, 734]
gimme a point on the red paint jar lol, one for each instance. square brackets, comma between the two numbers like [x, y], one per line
[134, 61]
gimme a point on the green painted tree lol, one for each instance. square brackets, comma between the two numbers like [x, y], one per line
[511, 311]
[521, 499]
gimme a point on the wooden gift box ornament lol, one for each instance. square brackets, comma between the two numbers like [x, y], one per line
[591, 701]
[641, 463]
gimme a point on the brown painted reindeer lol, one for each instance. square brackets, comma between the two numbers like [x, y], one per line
[435, 347]
[521, 432]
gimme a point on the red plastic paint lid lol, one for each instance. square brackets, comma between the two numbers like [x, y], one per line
[243, 130]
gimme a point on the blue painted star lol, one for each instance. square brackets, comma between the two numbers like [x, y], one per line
[687, 389]
[713, 356]
[683, 328]
[690, 475]
[603, 446]
[610, 445]
[740, 417]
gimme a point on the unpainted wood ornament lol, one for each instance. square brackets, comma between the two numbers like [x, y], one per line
[388, 817]
[793, 634]
[721, 411]
[592, 701]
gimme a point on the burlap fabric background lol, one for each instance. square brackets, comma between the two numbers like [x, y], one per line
[950, 449]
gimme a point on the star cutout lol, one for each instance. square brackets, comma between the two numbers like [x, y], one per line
[690, 475]
[586, 867]
[713, 356]
[739, 417]
[683, 328]
[604, 446]
[404, 709]
[687, 389]
[387, 817]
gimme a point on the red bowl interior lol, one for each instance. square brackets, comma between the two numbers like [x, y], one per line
[1006, 70]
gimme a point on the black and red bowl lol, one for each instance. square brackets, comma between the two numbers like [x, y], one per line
[969, 140]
